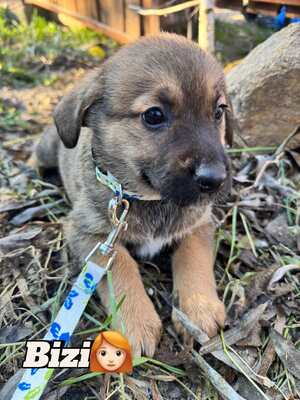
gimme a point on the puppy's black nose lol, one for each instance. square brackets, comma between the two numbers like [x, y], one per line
[211, 177]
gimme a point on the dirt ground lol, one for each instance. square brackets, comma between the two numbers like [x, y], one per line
[257, 263]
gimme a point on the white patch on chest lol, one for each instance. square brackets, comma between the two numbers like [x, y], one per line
[152, 246]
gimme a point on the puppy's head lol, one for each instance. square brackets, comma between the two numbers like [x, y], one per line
[161, 118]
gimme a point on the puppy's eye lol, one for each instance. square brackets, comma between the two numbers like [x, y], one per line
[220, 111]
[153, 117]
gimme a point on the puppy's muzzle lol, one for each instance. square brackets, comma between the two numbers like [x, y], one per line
[210, 177]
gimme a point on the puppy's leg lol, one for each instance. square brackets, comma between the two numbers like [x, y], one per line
[194, 282]
[46, 151]
[143, 326]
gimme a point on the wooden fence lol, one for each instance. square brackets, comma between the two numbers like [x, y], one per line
[115, 18]
[126, 20]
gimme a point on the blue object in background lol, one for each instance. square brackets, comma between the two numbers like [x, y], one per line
[281, 19]
[295, 20]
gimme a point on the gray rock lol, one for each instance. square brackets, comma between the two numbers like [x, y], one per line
[265, 89]
[279, 230]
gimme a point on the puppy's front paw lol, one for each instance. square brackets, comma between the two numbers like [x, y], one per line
[143, 328]
[207, 313]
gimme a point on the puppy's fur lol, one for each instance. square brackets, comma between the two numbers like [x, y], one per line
[104, 113]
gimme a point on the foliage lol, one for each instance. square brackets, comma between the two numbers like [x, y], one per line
[31, 53]
[235, 41]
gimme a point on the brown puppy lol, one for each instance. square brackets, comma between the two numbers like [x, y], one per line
[156, 115]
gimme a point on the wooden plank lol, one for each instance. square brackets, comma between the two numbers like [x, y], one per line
[272, 9]
[104, 11]
[163, 11]
[280, 2]
[87, 8]
[115, 34]
[206, 30]
[132, 19]
[293, 12]
[265, 9]
[69, 4]
[112, 13]
[151, 24]
[117, 18]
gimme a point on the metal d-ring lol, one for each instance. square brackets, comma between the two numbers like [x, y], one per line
[113, 207]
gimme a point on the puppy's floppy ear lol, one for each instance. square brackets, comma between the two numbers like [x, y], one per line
[229, 122]
[70, 112]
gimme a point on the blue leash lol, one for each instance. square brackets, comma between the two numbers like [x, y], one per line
[35, 380]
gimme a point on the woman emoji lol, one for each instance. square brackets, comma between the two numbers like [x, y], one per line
[111, 353]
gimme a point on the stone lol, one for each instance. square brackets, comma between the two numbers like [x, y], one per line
[279, 230]
[265, 89]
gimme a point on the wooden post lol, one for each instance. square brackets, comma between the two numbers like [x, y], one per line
[151, 23]
[132, 20]
[206, 31]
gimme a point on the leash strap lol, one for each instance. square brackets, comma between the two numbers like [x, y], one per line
[109, 180]
[35, 380]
